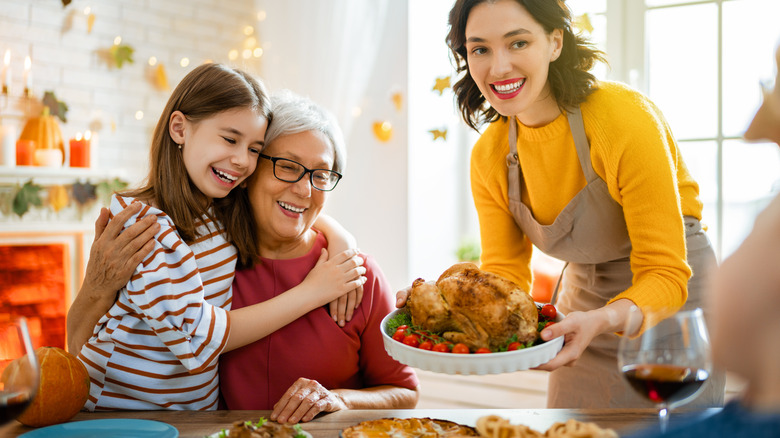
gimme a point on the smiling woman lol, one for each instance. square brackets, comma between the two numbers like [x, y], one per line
[586, 171]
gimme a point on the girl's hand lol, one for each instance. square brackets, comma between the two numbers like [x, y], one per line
[401, 296]
[342, 308]
[338, 275]
[304, 400]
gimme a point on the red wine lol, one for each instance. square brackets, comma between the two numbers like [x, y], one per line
[12, 404]
[665, 383]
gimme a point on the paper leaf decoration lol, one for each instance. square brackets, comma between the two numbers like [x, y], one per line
[57, 107]
[121, 54]
[398, 101]
[161, 78]
[438, 133]
[83, 192]
[28, 194]
[65, 3]
[105, 189]
[383, 131]
[442, 84]
[582, 22]
[58, 197]
[90, 22]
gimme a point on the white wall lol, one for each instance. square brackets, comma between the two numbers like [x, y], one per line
[345, 54]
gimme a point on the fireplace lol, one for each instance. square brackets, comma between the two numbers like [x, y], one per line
[39, 274]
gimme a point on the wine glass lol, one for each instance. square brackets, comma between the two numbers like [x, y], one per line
[18, 368]
[669, 362]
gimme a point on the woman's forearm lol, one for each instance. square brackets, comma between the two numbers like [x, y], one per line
[379, 397]
[83, 315]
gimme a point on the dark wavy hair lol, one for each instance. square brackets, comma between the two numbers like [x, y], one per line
[206, 91]
[569, 76]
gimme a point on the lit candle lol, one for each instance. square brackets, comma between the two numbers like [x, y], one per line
[6, 71]
[79, 150]
[27, 76]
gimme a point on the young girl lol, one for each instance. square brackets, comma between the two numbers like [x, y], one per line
[157, 346]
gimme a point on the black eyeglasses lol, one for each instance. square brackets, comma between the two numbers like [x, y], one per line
[292, 171]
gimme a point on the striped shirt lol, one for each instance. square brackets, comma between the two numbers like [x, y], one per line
[158, 346]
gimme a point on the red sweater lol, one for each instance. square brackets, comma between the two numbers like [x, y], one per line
[314, 346]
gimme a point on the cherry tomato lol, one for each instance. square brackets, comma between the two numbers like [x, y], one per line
[549, 311]
[426, 345]
[548, 323]
[399, 335]
[402, 327]
[482, 350]
[460, 349]
[442, 347]
[412, 340]
[513, 346]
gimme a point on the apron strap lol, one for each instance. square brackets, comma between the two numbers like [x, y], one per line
[581, 143]
[513, 164]
[554, 298]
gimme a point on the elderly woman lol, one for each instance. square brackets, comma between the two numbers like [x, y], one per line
[311, 365]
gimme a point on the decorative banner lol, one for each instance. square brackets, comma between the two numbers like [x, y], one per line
[28, 194]
[442, 84]
[582, 22]
[58, 197]
[383, 131]
[439, 133]
[398, 100]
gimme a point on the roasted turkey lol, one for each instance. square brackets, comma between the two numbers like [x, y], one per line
[474, 307]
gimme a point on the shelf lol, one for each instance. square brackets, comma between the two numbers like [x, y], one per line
[55, 175]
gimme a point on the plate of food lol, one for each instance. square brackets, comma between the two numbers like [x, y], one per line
[470, 322]
[262, 428]
[408, 427]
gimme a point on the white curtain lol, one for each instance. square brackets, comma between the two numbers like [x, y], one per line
[323, 49]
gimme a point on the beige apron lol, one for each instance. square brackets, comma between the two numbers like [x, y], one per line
[590, 234]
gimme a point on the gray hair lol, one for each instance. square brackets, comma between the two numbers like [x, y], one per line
[293, 114]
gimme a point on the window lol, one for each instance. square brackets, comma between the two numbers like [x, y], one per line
[702, 65]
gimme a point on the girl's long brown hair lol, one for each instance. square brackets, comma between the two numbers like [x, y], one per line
[207, 90]
[569, 77]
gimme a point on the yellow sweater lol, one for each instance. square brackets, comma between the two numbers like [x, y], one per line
[633, 151]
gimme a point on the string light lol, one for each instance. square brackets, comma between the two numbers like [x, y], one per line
[184, 62]
[152, 60]
[139, 115]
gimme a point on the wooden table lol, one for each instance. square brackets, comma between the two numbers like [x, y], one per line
[200, 424]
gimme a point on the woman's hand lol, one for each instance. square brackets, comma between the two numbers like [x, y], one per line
[112, 260]
[579, 328]
[304, 400]
[401, 296]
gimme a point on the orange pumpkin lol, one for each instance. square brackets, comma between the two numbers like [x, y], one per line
[62, 391]
[44, 131]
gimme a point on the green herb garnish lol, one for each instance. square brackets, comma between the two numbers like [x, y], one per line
[399, 319]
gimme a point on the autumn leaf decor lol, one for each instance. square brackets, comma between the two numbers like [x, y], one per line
[57, 108]
[121, 54]
[84, 192]
[106, 188]
[28, 195]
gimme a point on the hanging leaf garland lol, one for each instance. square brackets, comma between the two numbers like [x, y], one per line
[107, 188]
[84, 193]
[29, 194]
